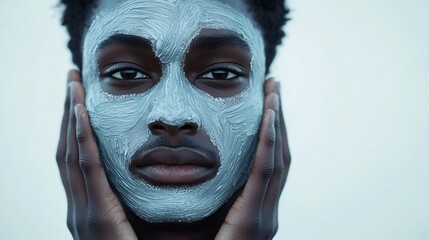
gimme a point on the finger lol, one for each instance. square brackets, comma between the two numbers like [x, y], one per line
[98, 188]
[282, 163]
[61, 156]
[285, 142]
[62, 142]
[274, 86]
[62, 148]
[244, 218]
[104, 208]
[263, 166]
[270, 86]
[74, 174]
[271, 201]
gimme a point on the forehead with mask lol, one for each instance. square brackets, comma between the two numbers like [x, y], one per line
[127, 122]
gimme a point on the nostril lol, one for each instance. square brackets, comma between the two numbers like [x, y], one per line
[189, 128]
[186, 127]
[158, 127]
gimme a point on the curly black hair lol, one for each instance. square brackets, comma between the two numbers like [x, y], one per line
[270, 15]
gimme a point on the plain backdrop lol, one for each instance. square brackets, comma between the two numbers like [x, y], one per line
[355, 83]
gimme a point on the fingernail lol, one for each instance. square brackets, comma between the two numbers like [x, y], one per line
[71, 76]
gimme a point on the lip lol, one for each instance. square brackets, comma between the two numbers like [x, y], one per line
[173, 166]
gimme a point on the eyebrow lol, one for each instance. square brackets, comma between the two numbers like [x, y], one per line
[125, 40]
[217, 41]
[210, 42]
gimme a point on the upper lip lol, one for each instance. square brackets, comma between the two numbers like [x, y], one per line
[164, 155]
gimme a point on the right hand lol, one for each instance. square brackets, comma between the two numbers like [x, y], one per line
[94, 211]
[254, 215]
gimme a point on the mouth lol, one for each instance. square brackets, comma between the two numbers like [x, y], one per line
[173, 166]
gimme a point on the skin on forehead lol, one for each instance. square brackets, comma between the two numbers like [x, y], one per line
[240, 5]
[172, 24]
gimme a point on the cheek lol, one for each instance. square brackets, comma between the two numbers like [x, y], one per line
[113, 116]
[119, 124]
[233, 125]
[112, 151]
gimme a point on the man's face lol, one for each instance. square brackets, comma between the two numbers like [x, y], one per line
[174, 92]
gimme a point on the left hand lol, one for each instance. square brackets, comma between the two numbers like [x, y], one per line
[254, 214]
[94, 211]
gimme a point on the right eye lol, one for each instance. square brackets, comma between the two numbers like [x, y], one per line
[219, 74]
[125, 71]
[128, 74]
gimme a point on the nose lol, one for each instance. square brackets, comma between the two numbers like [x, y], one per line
[161, 128]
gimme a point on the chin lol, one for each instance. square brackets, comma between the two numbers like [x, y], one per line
[184, 203]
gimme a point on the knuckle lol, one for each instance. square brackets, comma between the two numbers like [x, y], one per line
[245, 223]
[279, 171]
[81, 137]
[270, 140]
[70, 158]
[60, 158]
[67, 102]
[252, 227]
[288, 158]
[85, 164]
[80, 227]
[70, 225]
[267, 171]
[274, 230]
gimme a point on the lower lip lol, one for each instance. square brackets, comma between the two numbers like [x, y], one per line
[174, 174]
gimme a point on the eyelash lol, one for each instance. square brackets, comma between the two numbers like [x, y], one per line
[118, 68]
[226, 68]
[115, 69]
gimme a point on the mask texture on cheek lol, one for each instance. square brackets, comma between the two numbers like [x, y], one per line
[121, 122]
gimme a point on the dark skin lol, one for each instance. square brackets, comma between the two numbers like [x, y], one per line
[95, 211]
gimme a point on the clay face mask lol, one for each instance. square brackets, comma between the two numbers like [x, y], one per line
[120, 122]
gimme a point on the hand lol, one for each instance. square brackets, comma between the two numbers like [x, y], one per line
[94, 212]
[254, 215]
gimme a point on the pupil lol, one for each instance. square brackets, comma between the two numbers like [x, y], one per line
[220, 74]
[128, 74]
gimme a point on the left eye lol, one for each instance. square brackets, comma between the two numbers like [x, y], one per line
[220, 74]
[128, 74]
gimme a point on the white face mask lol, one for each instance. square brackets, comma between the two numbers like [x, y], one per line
[121, 122]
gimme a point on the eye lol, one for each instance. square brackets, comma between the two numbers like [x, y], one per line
[125, 71]
[128, 74]
[219, 74]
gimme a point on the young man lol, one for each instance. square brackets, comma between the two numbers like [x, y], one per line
[178, 134]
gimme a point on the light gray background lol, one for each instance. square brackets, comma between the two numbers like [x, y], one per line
[355, 80]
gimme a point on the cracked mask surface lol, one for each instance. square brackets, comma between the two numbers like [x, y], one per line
[120, 122]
